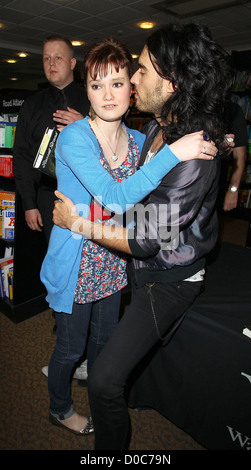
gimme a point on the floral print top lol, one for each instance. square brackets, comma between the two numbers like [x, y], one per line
[103, 272]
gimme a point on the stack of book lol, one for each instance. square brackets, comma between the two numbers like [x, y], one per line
[242, 81]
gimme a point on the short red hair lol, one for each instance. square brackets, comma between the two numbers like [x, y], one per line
[104, 54]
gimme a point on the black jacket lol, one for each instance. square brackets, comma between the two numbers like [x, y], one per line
[35, 115]
[191, 190]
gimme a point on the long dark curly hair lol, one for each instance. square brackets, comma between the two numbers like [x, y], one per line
[199, 70]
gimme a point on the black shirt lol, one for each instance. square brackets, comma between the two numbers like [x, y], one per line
[236, 124]
[34, 117]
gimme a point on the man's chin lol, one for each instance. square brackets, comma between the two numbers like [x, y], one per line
[53, 79]
[138, 105]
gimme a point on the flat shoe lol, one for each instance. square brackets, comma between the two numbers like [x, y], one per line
[88, 429]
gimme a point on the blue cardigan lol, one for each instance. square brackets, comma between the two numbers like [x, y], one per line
[80, 175]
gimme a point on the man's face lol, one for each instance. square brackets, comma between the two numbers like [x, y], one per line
[58, 65]
[152, 91]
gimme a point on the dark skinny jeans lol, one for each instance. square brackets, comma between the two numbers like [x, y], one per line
[132, 339]
[99, 319]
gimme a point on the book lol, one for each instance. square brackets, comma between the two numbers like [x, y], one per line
[6, 270]
[7, 134]
[9, 252]
[247, 331]
[7, 201]
[8, 224]
[6, 165]
[10, 283]
[45, 158]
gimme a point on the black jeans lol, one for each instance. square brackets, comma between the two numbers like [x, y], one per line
[132, 339]
[98, 319]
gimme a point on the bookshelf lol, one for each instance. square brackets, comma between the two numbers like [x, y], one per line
[29, 251]
[29, 248]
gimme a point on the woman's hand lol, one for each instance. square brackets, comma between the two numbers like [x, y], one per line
[65, 212]
[192, 146]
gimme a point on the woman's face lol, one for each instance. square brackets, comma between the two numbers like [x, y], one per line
[110, 95]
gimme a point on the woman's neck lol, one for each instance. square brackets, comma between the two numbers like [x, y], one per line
[109, 128]
[112, 137]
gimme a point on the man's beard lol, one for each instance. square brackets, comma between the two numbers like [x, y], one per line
[151, 103]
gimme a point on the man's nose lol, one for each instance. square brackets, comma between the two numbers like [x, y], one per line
[134, 79]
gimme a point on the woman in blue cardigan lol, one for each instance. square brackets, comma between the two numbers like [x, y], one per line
[84, 280]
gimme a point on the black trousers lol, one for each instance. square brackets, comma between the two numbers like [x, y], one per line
[152, 312]
[45, 202]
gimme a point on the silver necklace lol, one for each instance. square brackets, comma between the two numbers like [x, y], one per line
[114, 157]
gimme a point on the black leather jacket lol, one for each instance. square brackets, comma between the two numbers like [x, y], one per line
[191, 190]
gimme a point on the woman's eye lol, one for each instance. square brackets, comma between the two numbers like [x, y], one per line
[95, 87]
[118, 84]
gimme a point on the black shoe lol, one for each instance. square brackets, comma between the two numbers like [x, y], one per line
[88, 429]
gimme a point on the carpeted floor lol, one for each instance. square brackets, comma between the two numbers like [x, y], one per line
[24, 404]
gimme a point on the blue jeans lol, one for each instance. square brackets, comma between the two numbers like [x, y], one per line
[152, 312]
[101, 317]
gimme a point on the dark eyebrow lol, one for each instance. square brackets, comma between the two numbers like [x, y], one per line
[114, 79]
[141, 66]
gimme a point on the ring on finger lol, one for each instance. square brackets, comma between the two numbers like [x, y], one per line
[204, 150]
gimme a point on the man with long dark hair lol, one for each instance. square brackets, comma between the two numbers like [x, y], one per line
[182, 78]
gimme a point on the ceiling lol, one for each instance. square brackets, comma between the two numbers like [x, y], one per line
[27, 22]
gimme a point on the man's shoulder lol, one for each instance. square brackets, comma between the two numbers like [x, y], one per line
[78, 90]
[77, 87]
[36, 97]
[191, 170]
